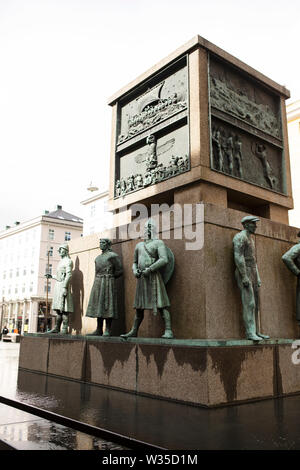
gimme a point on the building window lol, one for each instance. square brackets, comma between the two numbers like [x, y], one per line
[92, 210]
[47, 286]
[50, 251]
[31, 287]
[17, 272]
[24, 272]
[51, 234]
[49, 269]
[4, 274]
[67, 236]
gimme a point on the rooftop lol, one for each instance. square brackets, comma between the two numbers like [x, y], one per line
[59, 213]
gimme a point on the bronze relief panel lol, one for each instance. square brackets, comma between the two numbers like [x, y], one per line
[152, 142]
[246, 131]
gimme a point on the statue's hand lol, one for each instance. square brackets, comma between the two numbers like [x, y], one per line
[65, 291]
[146, 272]
[137, 273]
[246, 281]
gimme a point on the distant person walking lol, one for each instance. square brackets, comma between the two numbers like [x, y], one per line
[4, 331]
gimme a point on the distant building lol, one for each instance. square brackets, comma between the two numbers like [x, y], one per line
[27, 251]
[96, 217]
[293, 119]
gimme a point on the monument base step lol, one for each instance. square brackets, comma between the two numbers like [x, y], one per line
[200, 372]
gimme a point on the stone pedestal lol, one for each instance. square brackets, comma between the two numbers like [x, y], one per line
[206, 373]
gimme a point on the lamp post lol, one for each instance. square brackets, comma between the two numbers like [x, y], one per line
[1, 317]
[47, 289]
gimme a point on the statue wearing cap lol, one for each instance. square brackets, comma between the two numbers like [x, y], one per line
[153, 266]
[292, 260]
[247, 276]
[62, 296]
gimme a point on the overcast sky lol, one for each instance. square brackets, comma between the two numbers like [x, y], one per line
[60, 61]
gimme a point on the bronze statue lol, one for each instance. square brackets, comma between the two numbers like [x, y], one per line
[62, 297]
[247, 276]
[152, 266]
[292, 260]
[103, 299]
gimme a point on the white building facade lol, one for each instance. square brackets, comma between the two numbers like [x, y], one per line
[96, 217]
[293, 119]
[28, 251]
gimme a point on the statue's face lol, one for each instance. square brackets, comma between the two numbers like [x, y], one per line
[251, 226]
[62, 251]
[149, 229]
[103, 244]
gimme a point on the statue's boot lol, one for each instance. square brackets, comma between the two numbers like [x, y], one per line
[168, 330]
[253, 336]
[108, 323]
[56, 329]
[65, 327]
[263, 336]
[99, 329]
[134, 330]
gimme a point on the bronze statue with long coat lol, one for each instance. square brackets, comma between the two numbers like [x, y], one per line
[103, 298]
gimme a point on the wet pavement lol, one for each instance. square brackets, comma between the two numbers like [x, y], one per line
[24, 431]
[264, 425]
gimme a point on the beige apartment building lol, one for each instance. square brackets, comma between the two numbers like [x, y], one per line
[293, 119]
[28, 250]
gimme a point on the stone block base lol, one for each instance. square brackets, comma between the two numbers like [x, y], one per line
[201, 372]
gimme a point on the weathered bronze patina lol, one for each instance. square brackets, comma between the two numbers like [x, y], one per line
[103, 299]
[292, 260]
[247, 276]
[62, 297]
[152, 266]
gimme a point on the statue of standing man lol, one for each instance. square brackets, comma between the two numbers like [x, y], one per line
[62, 297]
[103, 299]
[292, 260]
[153, 266]
[247, 276]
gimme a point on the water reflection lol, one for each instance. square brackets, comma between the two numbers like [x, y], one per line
[269, 424]
[41, 434]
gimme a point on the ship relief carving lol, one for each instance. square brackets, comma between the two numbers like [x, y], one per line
[155, 105]
[156, 111]
[153, 132]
